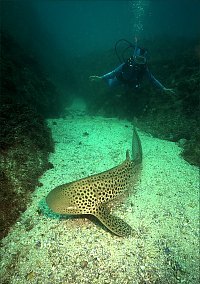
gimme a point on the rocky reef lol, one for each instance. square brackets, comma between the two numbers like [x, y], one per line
[27, 98]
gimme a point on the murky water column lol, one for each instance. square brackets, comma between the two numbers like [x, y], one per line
[139, 9]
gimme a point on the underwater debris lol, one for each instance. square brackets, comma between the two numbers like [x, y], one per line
[91, 195]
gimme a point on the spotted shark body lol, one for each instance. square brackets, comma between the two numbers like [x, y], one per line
[92, 195]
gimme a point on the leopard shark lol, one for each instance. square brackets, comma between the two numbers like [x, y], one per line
[94, 194]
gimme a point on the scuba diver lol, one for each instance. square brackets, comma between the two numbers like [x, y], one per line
[132, 71]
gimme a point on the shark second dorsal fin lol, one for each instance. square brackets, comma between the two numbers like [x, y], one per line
[115, 224]
[136, 147]
[128, 155]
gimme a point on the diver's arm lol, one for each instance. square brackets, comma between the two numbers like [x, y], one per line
[112, 74]
[153, 80]
[109, 75]
[156, 83]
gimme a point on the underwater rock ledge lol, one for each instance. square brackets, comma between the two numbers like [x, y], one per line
[25, 143]
[27, 98]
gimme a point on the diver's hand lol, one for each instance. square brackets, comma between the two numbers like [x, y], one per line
[169, 91]
[95, 78]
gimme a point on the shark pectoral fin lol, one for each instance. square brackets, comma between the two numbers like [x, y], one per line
[113, 223]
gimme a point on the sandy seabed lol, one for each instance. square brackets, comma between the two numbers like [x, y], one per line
[164, 213]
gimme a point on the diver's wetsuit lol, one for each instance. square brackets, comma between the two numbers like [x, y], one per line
[130, 75]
